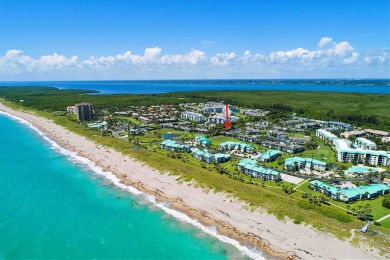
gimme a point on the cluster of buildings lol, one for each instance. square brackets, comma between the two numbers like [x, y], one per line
[152, 114]
[216, 111]
[385, 136]
[350, 194]
[362, 151]
[251, 168]
[255, 112]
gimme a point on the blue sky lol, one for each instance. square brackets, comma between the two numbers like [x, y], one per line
[193, 39]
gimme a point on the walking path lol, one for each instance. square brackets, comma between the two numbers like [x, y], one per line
[301, 183]
[383, 218]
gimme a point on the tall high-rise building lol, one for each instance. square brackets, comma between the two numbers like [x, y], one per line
[84, 111]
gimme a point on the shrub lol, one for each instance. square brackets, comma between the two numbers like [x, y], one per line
[386, 201]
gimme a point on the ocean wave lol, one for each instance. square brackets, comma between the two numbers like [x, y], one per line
[77, 159]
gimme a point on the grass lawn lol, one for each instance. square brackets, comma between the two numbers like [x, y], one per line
[386, 223]
[296, 135]
[129, 119]
[156, 135]
[322, 152]
[217, 140]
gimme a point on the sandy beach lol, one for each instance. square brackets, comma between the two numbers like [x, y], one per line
[279, 239]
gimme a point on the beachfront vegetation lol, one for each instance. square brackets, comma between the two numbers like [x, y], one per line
[279, 199]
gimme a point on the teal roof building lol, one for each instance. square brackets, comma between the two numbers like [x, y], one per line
[174, 146]
[251, 168]
[361, 170]
[350, 194]
[236, 146]
[296, 163]
[205, 156]
[269, 156]
[203, 141]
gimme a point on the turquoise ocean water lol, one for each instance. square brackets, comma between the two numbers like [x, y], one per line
[56, 205]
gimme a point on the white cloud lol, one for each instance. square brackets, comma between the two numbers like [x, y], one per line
[223, 58]
[331, 59]
[324, 41]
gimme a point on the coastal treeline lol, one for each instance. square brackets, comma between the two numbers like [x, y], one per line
[360, 109]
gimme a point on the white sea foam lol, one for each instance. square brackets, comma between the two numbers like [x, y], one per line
[75, 158]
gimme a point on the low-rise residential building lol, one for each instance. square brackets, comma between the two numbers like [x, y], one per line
[356, 133]
[236, 146]
[71, 109]
[376, 133]
[278, 134]
[202, 141]
[361, 170]
[269, 156]
[365, 144]
[325, 135]
[248, 138]
[222, 157]
[205, 156]
[337, 125]
[98, 125]
[192, 116]
[174, 146]
[145, 119]
[386, 139]
[350, 194]
[251, 168]
[202, 155]
[294, 148]
[255, 112]
[296, 163]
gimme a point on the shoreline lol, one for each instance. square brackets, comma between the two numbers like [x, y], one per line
[259, 229]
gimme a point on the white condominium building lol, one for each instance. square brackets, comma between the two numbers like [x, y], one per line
[192, 116]
[364, 143]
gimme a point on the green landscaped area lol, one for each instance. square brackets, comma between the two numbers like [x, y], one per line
[386, 223]
[378, 211]
[128, 119]
[270, 197]
[323, 153]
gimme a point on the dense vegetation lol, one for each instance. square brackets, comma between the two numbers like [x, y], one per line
[361, 109]
[386, 201]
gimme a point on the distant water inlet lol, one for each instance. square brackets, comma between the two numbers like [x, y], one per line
[70, 208]
[381, 86]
